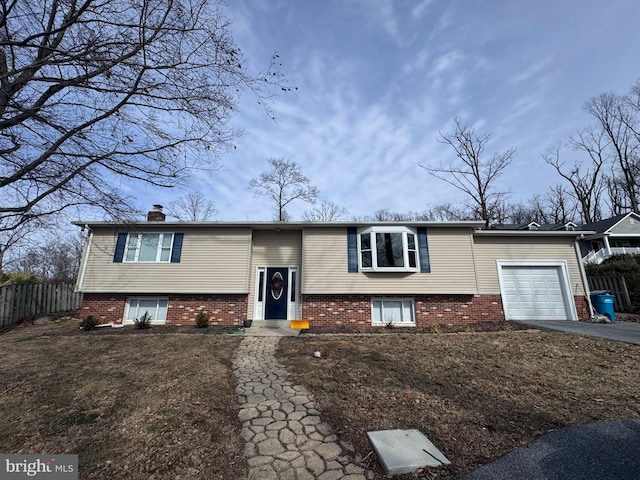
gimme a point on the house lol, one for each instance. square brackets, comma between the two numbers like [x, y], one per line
[332, 274]
[612, 236]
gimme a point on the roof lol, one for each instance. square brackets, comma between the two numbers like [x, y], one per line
[534, 226]
[606, 224]
[472, 224]
[532, 233]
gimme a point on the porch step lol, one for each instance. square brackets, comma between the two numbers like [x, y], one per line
[271, 324]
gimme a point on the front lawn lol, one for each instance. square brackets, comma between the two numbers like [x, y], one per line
[132, 406]
[475, 395]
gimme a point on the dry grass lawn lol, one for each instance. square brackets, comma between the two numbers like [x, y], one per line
[475, 395]
[132, 406]
[163, 406]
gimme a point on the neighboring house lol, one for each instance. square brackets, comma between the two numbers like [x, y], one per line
[613, 236]
[332, 274]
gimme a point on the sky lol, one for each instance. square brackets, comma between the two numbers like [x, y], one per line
[379, 80]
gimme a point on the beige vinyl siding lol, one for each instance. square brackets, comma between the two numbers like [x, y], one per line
[488, 250]
[324, 270]
[212, 261]
[273, 249]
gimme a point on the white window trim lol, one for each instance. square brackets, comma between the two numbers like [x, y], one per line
[412, 323]
[139, 243]
[374, 257]
[564, 273]
[154, 315]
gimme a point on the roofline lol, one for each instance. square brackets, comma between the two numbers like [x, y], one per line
[622, 219]
[472, 224]
[532, 233]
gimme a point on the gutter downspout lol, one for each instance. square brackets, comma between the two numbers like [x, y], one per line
[583, 276]
[85, 260]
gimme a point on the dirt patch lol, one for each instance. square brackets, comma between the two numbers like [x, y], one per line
[143, 406]
[475, 395]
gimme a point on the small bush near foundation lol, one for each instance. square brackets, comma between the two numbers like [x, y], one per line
[89, 323]
[143, 322]
[202, 320]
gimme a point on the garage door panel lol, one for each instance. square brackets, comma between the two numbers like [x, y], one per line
[534, 292]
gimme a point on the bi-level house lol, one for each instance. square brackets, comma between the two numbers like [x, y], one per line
[337, 273]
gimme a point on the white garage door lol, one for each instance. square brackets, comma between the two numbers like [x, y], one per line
[535, 293]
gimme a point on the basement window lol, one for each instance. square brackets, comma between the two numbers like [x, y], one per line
[137, 306]
[393, 311]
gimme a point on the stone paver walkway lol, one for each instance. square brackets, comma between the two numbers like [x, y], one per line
[285, 437]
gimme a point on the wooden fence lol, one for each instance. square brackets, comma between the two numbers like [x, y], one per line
[617, 287]
[30, 300]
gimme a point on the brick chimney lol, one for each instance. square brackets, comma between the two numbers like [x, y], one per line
[156, 214]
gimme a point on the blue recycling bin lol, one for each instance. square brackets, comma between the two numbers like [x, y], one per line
[603, 303]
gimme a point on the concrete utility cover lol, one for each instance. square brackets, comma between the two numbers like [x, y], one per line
[405, 451]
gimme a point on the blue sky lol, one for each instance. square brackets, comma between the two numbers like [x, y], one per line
[379, 79]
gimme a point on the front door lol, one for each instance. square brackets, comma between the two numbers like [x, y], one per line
[276, 294]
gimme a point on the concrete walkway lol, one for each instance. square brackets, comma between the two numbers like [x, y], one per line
[628, 332]
[281, 425]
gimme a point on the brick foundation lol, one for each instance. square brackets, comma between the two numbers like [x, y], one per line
[582, 307]
[182, 309]
[431, 310]
[320, 310]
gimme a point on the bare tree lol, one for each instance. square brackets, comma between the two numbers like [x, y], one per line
[193, 207]
[54, 259]
[283, 183]
[471, 172]
[326, 212]
[14, 239]
[617, 119]
[585, 178]
[94, 89]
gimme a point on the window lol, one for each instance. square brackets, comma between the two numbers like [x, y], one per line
[395, 311]
[389, 249]
[148, 247]
[136, 308]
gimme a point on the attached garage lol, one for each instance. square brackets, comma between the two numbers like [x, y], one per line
[536, 291]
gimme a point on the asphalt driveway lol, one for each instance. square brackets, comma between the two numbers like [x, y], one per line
[628, 332]
[597, 451]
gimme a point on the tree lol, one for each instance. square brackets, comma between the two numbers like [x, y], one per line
[471, 172]
[617, 118]
[326, 212]
[13, 239]
[283, 183]
[94, 89]
[193, 207]
[55, 259]
[585, 179]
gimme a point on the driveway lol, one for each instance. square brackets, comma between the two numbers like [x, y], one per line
[597, 451]
[628, 332]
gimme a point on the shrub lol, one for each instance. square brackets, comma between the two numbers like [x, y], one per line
[89, 323]
[202, 320]
[11, 278]
[143, 322]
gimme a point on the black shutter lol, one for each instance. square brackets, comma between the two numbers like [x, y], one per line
[352, 248]
[423, 249]
[121, 243]
[176, 251]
